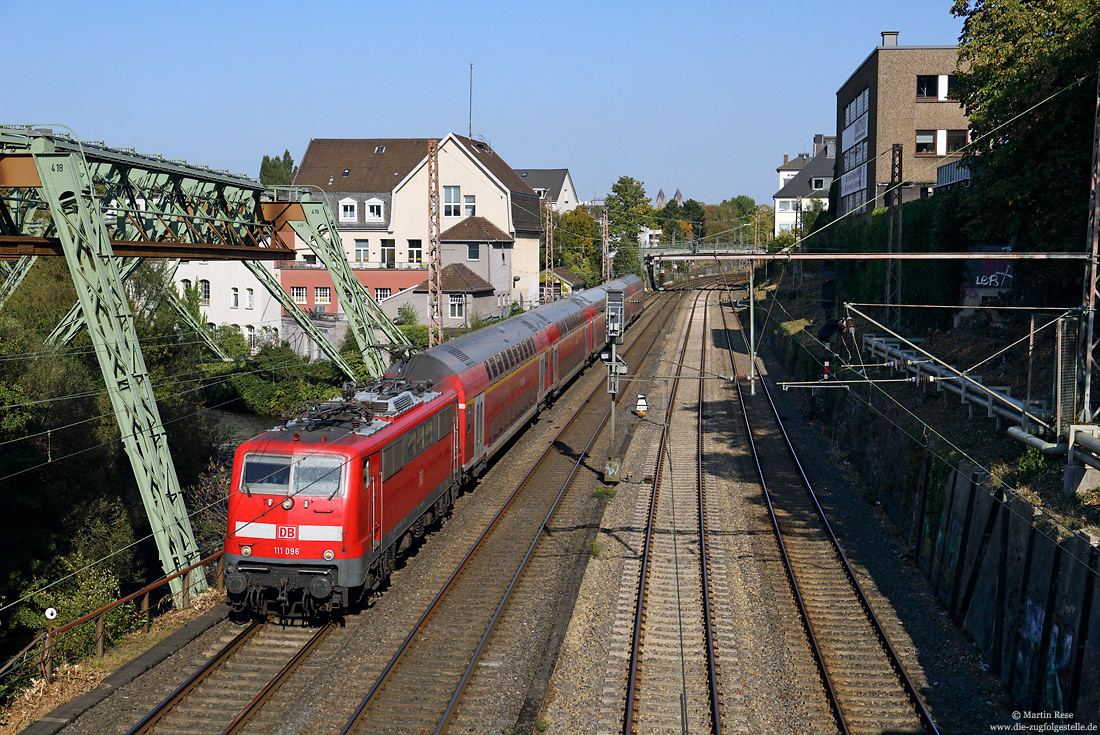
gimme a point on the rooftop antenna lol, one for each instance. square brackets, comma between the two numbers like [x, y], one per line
[471, 101]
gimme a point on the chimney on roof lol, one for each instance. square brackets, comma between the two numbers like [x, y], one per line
[785, 158]
[889, 38]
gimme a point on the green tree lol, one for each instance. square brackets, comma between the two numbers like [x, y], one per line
[628, 209]
[1031, 174]
[695, 216]
[578, 239]
[276, 171]
[732, 220]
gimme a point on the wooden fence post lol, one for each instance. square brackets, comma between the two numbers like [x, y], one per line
[145, 610]
[100, 636]
[47, 654]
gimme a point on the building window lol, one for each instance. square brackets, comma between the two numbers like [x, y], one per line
[347, 210]
[856, 107]
[346, 172]
[298, 294]
[250, 335]
[473, 251]
[381, 293]
[416, 252]
[928, 86]
[362, 252]
[249, 298]
[785, 205]
[817, 184]
[389, 253]
[234, 298]
[470, 206]
[926, 142]
[204, 292]
[956, 140]
[452, 201]
[322, 295]
[951, 86]
[380, 149]
[186, 285]
[458, 305]
[541, 192]
[374, 210]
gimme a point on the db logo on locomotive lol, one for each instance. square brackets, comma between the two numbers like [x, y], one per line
[286, 532]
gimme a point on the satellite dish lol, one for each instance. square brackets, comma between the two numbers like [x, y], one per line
[50, 613]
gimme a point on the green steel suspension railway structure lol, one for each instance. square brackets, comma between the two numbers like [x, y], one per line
[105, 210]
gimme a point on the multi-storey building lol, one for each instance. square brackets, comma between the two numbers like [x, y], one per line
[804, 182]
[899, 94]
[378, 191]
[552, 182]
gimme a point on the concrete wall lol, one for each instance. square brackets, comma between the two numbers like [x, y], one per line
[1028, 600]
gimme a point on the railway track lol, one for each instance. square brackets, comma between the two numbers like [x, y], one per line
[223, 695]
[672, 683]
[864, 680]
[423, 687]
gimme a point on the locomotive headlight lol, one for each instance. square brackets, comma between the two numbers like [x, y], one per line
[288, 503]
[246, 551]
[329, 555]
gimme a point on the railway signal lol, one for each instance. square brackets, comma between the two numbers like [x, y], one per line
[614, 317]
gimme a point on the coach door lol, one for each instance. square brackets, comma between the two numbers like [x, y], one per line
[542, 374]
[479, 424]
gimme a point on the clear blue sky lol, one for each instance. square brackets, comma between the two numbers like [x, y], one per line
[704, 96]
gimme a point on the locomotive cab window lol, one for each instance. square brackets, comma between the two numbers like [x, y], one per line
[266, 473]
[275, 474]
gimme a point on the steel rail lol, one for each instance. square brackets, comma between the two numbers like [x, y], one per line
[895, 660]
[253, 707]
[628, 715]
[515, 577]
[716, 716]
[891, 654]
[811, 634]
[150, 720]
[420, 623]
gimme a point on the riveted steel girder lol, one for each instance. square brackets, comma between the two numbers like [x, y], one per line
[364, 314]
[264, 276]
[73, 321]
[13, 274]
[150, 206]
[68, 187]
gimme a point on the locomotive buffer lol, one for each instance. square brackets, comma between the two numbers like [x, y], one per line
[616, 366]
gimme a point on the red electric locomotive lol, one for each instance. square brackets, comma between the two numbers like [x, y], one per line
[320, 506]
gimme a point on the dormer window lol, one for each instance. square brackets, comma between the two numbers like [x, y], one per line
[373, 209]
[346, 172]
[348, 211]
[380, 149]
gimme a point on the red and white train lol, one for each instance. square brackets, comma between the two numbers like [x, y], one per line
[320, 507]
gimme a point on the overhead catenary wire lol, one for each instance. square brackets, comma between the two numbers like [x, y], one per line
[1014, 491]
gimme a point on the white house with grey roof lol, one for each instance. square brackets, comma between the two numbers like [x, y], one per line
[553, 182]
[378, 190]
[807, 176]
